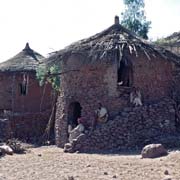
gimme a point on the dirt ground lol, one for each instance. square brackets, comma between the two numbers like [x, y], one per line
[50, 163]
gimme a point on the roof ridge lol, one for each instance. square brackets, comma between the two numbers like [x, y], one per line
[25, 60]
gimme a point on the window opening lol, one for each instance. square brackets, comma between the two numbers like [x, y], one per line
[24, 85]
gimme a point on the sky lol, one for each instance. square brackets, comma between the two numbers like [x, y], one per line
[50, 25]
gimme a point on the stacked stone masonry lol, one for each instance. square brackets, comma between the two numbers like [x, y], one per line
[128, 127]
[134, 127]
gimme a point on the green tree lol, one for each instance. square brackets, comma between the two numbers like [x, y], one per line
[134, 19]
[49, 74]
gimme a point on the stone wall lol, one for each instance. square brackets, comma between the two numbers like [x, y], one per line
[153, 76]
[27, 115]
[88, 87]
[29, 126]
[5, 91]
[134, 127]
[175, 89]
[97, 82]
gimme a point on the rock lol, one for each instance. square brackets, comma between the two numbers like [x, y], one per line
[75, 145]
[68, 148]
[105, 173]
[127, 109]
[166, 172]
[6, 149]
[114, 176]
[16, 146]
[70, 178]
[125, 114]
[153, 151]
[131, 129]
[172, 110]
[67, 145]
[81, 137]
[1, 153]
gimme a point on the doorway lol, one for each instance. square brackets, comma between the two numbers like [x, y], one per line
[74, 112]
[125, 73]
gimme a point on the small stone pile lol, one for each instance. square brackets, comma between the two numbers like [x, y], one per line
[133, 128]
[5, 149]
[74, 146]
[12, 146]
[16, 146]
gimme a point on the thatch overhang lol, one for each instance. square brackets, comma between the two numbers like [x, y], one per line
[26, 60]
[105, 45]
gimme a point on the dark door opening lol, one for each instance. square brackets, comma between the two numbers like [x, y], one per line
[125, 73]
[74, 113]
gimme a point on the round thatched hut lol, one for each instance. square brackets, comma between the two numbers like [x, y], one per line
[22, 100]
[104, 68]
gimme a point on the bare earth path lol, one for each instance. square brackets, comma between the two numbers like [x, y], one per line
[50, 163]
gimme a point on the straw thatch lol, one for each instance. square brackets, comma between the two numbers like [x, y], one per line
[26, 60]
[105, 44]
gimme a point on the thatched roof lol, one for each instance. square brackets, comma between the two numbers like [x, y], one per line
[103, 45]
[26, 60]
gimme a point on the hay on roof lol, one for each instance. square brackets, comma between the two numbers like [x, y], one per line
[26, 60]
[102, 46]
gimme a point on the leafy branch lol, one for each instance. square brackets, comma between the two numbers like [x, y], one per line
[51, 74]
[44, 74]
